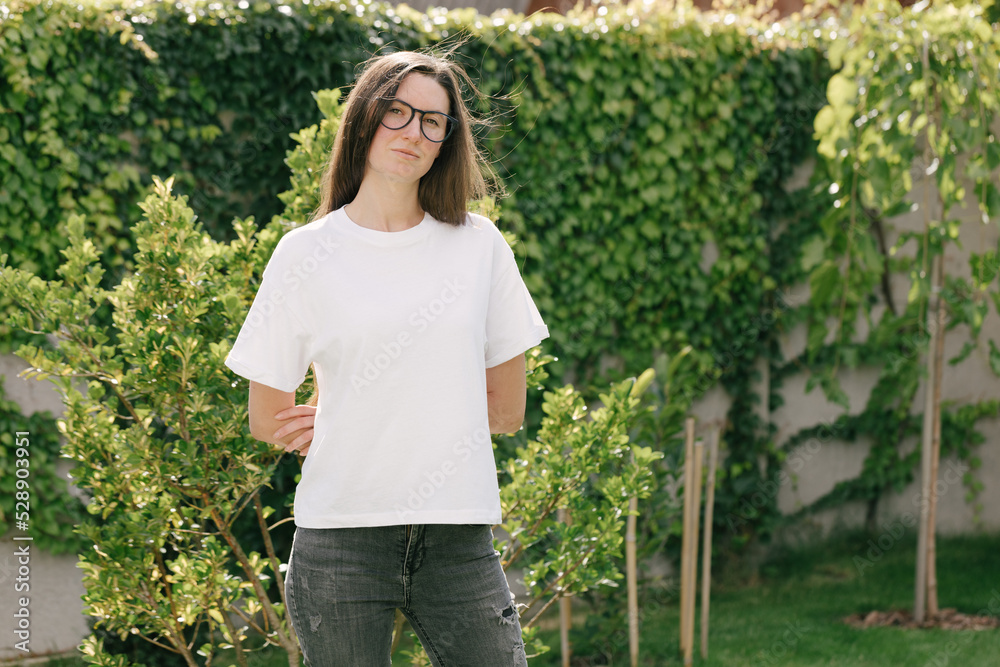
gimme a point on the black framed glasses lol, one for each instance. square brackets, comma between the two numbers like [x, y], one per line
[434, 125]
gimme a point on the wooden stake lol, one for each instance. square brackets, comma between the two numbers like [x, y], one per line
[686, 533]
[631, 577]
[706, 549]
[565, 608]
[699, 455]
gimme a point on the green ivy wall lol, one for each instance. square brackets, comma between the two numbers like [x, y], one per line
[644, 156]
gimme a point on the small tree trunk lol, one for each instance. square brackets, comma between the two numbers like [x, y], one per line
[927, 449]
[926, 444]
[241, 658]
[631, 575]
[566, 604]
[938, 360]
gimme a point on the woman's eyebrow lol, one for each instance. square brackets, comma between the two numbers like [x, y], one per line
[400, 99]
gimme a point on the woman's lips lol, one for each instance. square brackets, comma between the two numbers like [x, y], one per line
[408, 153]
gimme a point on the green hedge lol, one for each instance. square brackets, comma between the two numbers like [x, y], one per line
[627, 144]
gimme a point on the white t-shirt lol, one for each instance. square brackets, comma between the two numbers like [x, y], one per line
[401, 327]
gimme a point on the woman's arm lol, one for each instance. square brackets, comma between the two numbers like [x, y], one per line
[506, 391]
[275, 418]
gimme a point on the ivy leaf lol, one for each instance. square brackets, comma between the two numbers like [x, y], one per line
[841, 91]
[880, 177]
[993, 155]
[990, 205]
[817, 334]
[812, 253]
[823, 281]
[870, 254]
[824, 124]
[994, 358]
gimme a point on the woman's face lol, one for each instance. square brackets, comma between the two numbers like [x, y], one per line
[405, 155]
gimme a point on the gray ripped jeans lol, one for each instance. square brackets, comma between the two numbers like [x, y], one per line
[343, 586]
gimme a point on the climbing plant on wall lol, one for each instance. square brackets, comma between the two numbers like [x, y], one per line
[630, 144]
[915, 102]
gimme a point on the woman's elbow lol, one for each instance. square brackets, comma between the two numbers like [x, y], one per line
[265, 402]
[509, 423]
[263, 426]
[257, 429]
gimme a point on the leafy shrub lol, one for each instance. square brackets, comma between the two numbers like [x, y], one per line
[160, 430]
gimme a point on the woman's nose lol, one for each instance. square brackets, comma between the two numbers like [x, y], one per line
[412, 129]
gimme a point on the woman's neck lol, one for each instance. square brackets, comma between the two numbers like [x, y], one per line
[389, 207]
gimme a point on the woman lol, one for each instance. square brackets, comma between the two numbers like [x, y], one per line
[414, 316]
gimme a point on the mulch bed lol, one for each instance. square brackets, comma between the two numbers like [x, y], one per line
[946, 619]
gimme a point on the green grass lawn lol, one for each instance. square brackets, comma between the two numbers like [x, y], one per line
[791, 614]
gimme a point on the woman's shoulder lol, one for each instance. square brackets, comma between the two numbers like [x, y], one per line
[319, 231]
[478, 225]
[311, 228]
[478, 220]
[483, 234]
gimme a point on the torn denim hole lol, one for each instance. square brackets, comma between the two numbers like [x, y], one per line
[507, 616]
[314, 622]
[520, 656]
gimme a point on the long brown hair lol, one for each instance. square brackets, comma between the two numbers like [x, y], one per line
[455, 177]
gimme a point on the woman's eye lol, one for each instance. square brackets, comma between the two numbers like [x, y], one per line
[432, 121]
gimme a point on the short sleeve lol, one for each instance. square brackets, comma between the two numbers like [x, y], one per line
[513, 324]
[273, 346]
